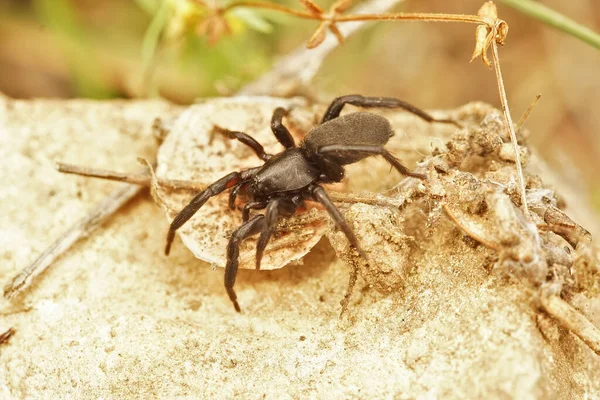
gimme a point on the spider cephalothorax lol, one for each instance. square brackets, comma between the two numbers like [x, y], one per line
[282, 184]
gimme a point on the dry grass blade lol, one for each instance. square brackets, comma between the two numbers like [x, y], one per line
[135, 178]
[527, 112]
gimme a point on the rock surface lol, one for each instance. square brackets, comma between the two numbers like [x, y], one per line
[115, 318]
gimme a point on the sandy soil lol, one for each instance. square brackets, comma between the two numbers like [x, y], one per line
[437, 315]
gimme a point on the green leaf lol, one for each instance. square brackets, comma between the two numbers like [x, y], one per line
[556, 20]
[150, 44]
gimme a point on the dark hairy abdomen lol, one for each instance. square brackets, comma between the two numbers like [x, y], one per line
[359, 128]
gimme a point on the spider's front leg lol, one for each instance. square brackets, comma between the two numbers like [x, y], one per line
[282, 133]
[245, 139]
[226, 182]
[253, 226]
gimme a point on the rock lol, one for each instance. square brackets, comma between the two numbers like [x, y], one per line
[115, 318]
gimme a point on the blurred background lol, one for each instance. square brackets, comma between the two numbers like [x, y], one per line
[109, 49]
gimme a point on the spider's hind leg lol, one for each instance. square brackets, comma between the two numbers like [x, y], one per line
[283, 206]
[320, 195]
[349, 149]
[335, 108]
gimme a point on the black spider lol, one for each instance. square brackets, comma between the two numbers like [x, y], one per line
[287, 179]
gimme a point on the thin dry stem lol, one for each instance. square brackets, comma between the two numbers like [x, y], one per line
[79, 230]
[527, 112]
[433, 17]
[511, 128]
[270, 6]
[136, 178]
[145, 179]
[472, 19]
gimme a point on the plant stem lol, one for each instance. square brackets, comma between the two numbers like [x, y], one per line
[511, 128]
[473, 19]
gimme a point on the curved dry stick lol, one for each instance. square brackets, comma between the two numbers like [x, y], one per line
[80, 229]
[573, 320]
[469, 233]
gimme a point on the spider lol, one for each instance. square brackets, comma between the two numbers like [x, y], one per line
[287, 179]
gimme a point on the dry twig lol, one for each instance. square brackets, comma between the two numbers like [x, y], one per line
[145, 179]
[82, 228]
[136, 178]
[570, 318]
[468, 231]
[4, 336]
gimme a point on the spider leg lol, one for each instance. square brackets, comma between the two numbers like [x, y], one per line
[341, 149]
[279, 130]
[233, 195]
[245, 139]
[275, 208]
[252, 205]
[252, 227]
[377, 102]
[320, 195]
[271, 216]
[193, 206]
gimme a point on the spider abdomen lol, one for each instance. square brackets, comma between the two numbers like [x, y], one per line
[358, 128]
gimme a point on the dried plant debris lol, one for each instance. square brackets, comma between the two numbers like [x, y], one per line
[471, 183]
[194, 151]
[5, 335]
[471, 180]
